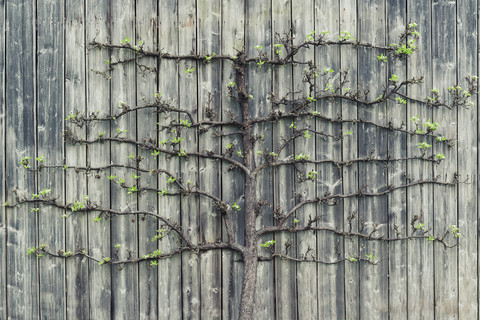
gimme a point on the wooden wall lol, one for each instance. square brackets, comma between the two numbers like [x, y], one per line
[46, 73]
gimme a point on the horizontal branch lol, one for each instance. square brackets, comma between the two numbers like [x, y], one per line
[196, 249]
[291, 161]
[150, 146]
[362, 193]
[370, 236]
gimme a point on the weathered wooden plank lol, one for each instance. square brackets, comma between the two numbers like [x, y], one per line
[397, 146]
[233, 36]
[372, 210]
[22, 276]
[259, 33]
[349, 60]
[3, 195]
[146, 33]
[98, 99]
[209, 94]
[419, 198]
[467, 160]
[330, 283]
[50, 115]
[124, 228]
[445, 197]
[283, 177]
[76, 226]
[190, 206]
[169, 270]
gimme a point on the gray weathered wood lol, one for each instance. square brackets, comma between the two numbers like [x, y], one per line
[419, 198]
[98, 99]
[50, 115]
[349, 60]
[22, 271]
[414, 279]
[233, 36]
[169, 270]
[124, 228]
[372, 210]
[258, 33]
[445, 197]
[187, 43]
[467, 47]
[146, 32]
[396, 19]
[3, 196]
[209, 95]
[283, 177]
[330, 282]
[76, 226]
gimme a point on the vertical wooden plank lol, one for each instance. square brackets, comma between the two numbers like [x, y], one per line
[22, 276]
[420, 198]
[349, 60]
[98, 99]
[330, 283]
[169, 270]
[123, 228]
[190, 207]
[3, 195]
[467, 160]
[283, 177]
[233, 37]
[146, 33]
[372, 210]
[76, 227]
[258, 33]
[209, 94]
[50, 117]
[397, 207]
[445, 197]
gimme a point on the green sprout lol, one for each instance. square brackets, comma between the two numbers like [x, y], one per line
[310, 36]
[382, 57]
[209, 57]
[455, 231]
[134, 176]
[400, 100]
[26, 162]
[393, 78]
[171, 179]
[370, 257]
[190, 70]
[278, 47]
[236, 207]
[96, 219]
[312, 175]
[268, 244]
[306, 134]
[344, 36]
[231, 84]
[132, 189]
[302, 156]
[424, 145]
[103, 261]
[295, 220]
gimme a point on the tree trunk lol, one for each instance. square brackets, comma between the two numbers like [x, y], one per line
[247, 302]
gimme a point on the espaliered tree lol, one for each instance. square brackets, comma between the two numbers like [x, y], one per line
[249, 158]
